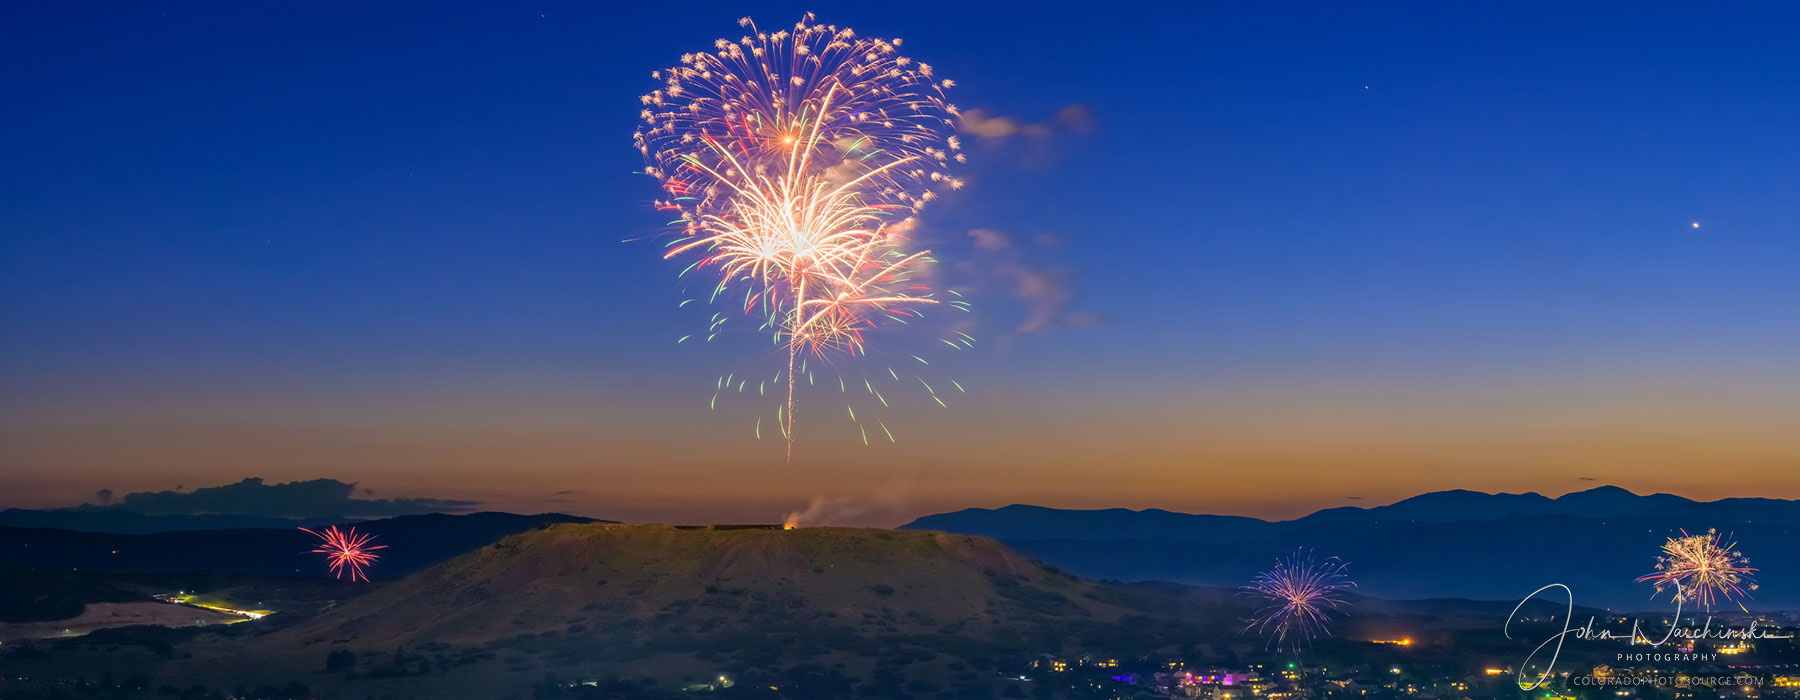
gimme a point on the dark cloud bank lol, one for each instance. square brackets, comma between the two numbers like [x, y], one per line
[294, 499]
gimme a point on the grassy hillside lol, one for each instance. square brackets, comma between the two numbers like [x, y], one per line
[598, 581]
[823, 608]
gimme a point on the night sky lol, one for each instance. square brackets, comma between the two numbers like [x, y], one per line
[1252, 258]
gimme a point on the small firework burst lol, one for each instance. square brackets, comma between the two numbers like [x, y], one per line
[1702, 569]
[346, 551]
[1301, 595]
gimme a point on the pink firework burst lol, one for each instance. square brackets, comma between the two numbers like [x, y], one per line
[1302, 594]
[1702, 569]
[347, 551]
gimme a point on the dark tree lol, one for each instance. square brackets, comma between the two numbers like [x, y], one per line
[340, 660]
[549, 687]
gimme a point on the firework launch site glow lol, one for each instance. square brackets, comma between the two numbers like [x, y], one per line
[1702, 569]
[347, 551]
[796, 162]
[1301, 593]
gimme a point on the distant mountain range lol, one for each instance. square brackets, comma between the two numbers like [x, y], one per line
[121, 521]
[1444, 544]
[1449, 544]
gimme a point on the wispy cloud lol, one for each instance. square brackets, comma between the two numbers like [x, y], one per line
[983, 124]
[1027, 144]
[1044, 291]
[989, 239]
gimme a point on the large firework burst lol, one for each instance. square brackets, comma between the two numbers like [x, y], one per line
[1702, 569]
[346, 551]
[796, 161]
[1302, 593]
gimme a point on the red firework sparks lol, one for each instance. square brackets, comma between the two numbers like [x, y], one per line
[347, 551]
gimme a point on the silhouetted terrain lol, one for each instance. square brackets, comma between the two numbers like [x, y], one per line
[29, 595]
[651, 610]
[413, 542]
[1447, 544]
[124, 522]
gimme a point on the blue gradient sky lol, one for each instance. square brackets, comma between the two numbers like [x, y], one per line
[1332, 251]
